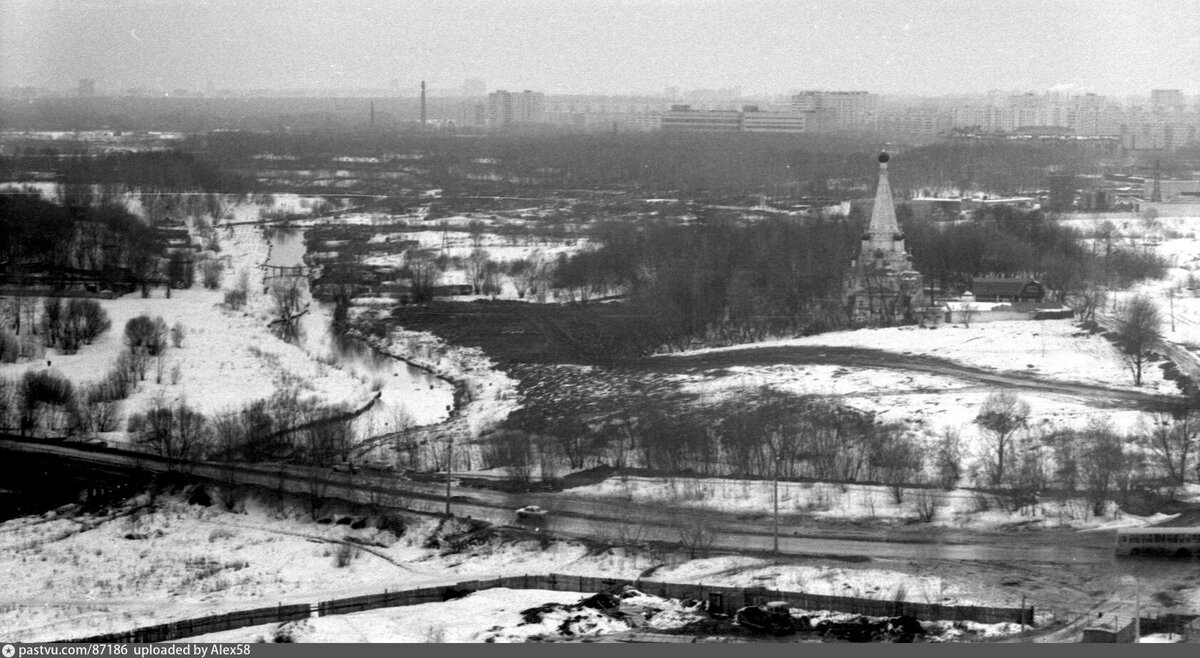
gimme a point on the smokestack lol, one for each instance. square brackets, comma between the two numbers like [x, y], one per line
[422, 102]
[372, 114]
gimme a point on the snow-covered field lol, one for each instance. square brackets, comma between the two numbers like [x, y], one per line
[929, 405]
[460, 244]
[227, 359]
[957, 508]
[68, 576]
[924, 404]
[1054, 349]
[491, 615]
[71, 574]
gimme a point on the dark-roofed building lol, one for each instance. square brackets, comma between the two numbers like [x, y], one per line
[997, 289]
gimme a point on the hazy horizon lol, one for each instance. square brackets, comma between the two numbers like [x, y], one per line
[919, 47]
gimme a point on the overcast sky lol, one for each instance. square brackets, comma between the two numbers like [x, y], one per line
[923, 47]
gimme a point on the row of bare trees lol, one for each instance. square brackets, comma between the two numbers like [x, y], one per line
[284, 427]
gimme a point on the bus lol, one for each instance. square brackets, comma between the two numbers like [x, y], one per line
[1172, 542]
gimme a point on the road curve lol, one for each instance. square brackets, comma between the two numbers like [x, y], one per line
[1092, 394]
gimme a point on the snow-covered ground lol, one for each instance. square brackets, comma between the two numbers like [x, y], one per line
[490, 615]
[1055, 349]
[928, 405]
[460, 244]
[491, 394]
[72, 575]
[957, 508]
[227, 359]
[924, 404]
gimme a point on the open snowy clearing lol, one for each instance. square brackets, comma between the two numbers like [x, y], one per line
[957, 508]
[924, 404]
[1054, 349]
[491, 615]
[227, 359]
[73, 575]
[496, 616]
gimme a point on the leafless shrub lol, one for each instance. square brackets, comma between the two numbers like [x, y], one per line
[344, 555]
[925, 504]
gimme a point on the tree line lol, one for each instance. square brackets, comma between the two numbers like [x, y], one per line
[721, 281]
[105, 243]
[1004, 241]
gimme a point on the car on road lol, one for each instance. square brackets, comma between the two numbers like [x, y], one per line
[531, 512]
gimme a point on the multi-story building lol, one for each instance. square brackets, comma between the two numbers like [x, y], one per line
[1167, 99]
[755, 121]
[914, 122]
[682, 118]
[837, 110]
[623, 113]
[508, 109]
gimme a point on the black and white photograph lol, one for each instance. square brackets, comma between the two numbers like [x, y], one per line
[598, 321]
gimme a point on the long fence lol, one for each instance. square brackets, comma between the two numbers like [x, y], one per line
[1187, 627]
[721, 599]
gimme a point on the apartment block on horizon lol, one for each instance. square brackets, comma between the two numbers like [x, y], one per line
[750, 119]
[837, 111]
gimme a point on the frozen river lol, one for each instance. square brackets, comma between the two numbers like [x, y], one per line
[409, 395]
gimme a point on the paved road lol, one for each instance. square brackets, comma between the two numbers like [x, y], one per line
[620, 522]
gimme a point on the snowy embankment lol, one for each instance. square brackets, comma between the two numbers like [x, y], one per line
[956, 508]
[75, 574]
[227, 359]
[1051, 349]
[930, 405]
[486, 395]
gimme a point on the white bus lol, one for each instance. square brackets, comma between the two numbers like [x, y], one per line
[1173, 542]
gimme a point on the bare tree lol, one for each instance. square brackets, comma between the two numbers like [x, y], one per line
[1087, 301]
[695, 529]
[948, 458]
[1171, 437]
[1101, 466]
[897, 460]
[425, 277]
[1002, 414]
[1139, 328]
[286, 299]
[176, 433]
[477, 269]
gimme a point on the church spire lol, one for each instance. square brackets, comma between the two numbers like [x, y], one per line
[883, 227]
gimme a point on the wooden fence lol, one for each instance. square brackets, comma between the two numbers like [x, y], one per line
[726, 600]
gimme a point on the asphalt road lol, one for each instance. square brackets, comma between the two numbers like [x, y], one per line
[620, 522]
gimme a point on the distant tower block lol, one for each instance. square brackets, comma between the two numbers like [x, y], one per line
[422, 102]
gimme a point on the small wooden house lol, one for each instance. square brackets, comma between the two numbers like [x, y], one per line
[996, 289]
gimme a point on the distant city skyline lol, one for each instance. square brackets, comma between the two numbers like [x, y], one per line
[762, 47]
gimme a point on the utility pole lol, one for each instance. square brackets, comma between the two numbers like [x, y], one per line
[449, 465]
[775, 496]
[1171, 297]
[1137, 611]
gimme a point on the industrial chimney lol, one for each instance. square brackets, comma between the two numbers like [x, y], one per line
[422, 102]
